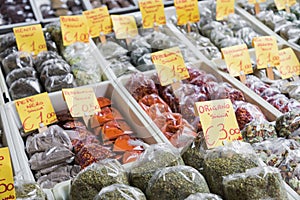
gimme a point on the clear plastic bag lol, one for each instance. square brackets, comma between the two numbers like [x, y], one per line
[27, 190]
[16, 60]
[294, 181]
[24, 87]
[234, 157]
[50, 157]
[56, 83]
[27, 72]
[226, 91]
[205, 196]
[246, 112]
[45, 56]
[119, 192]
[53, 67]
[111, 50]
[53, 136]
[155, 157]
[255, 183]
[7, 40]
[176, 182]
[88, 183]
[139, 85]
[287, 123]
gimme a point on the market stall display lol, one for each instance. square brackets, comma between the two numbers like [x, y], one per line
[119, 6]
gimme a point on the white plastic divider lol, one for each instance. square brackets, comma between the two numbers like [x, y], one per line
[107, 89]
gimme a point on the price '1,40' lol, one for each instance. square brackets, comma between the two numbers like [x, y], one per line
[27, 125]
[223, 133]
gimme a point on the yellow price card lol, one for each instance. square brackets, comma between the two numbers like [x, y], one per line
[266, 51]
[224, 8]
[218, 122]
[7, 189]
[186, 11]
[30, 39]
[237, 59]
[124, 26]
[81, 101]
[74, 29]
[35, 111]
[289, 64]
[282, 4]
[170, 66]
[152, 13]
[99, 21]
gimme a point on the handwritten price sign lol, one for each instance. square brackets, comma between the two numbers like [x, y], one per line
[289, 64]
[99, 21]
[237, 59]
[282, 4]
[170, 66]
[7, 188]
[30, 39]
[152, 12]
[266, 51]
[74, 29]
[81, 101]
[124, 26]
[218, 121]
[35, 110]
[224, 8]
[187, 11]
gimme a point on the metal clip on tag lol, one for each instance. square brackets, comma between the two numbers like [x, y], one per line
[42, 128]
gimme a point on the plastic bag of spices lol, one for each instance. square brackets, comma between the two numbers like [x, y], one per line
[88, 183]
[111, 50]
[16, 60]
[226, 91]
[27, 190]
[206, 196]
[234, 157]
[16, 74]
[56, 83]
[25, 87]
[176, 182]
[255, 183]
[288, 123]
[45, 56]
[154, 157]
[7, 40]
[120, 192]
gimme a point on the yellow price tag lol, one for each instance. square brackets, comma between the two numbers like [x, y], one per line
[282, 4]
[237, 59]
[99, 21]
[35, 111]
[218, 122]
[170, 66]
[81, 101]
[187, 11]
[224, 8]
[30, 39]
[289, 64]
[256, 1]
[266, 51]
[124, 26]
[7, 188]
[74, 29]
[152, 13]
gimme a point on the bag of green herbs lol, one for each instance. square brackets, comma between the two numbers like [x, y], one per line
[255, 184]
[175, 183]
[288, 125]
[203, 196]
[27, 190]
[89, 182]
[155, 157]
[194, 154]
[232, 158]
[120, 192]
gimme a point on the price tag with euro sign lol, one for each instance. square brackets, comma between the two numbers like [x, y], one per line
[124, 26]
[99, 21]
[74, 29]
[35, 111]
[187, 11]
[153, 13]
[7, 188]
[237, 59]
[266, 51]
[283, 4]
[81, 102]
[289, 64]
[224, 9]
[30, 39]
[218, 122]
[170, 66]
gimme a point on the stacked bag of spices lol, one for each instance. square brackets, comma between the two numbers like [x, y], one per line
[173, 111]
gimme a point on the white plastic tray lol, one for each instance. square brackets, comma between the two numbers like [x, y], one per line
[107, 89]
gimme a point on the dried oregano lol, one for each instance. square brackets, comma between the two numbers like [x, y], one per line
[29, 191]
